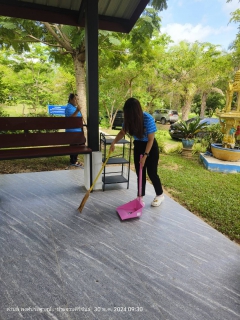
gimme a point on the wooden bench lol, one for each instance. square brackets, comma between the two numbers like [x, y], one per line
[30, 142]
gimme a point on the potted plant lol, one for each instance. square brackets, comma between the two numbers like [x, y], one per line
[189, 130]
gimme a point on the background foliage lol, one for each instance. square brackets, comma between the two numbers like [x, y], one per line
[40, 63]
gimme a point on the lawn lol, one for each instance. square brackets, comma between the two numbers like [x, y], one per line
[213, 196]
[18, 110]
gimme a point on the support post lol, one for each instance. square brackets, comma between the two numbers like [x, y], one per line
[91, 32]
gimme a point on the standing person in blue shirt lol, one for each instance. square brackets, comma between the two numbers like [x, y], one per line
[142, 127]
[73, 110]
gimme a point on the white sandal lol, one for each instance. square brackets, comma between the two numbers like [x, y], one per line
[157, 201]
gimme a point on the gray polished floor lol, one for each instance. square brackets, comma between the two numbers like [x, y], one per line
[56, 263]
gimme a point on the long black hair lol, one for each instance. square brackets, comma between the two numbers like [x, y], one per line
[71, 96]
[133, 118]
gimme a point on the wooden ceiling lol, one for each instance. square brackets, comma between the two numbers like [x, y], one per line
[114, 15]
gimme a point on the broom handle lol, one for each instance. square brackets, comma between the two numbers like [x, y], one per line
[140, 178]
[103, 165]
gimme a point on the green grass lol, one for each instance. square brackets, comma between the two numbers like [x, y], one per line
[211, 195]
[21, 110]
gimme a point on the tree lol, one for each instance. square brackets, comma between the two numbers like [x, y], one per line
[64, 40]
[127, 63]
[190, 69]
[115, 87]
[3, 88]
[31, 80]
[7, 78]
[235, 46]
[181, 73]
[216, 66]
[214, 101]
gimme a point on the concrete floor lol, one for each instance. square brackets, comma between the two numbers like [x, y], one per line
[56, 263]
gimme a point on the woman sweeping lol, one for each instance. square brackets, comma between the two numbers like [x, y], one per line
[141, 126]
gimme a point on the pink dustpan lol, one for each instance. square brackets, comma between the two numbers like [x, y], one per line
[132, 209]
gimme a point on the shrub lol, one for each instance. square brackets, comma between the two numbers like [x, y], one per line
[212, 134]
[199, 147]
[177, 149]
[3, 113]
[190, 129]
[160, 137]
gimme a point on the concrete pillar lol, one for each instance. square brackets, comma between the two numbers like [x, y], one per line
[96, 166]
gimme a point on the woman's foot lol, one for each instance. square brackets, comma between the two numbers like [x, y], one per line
[142, 202]
[157, 201]
[77, 164]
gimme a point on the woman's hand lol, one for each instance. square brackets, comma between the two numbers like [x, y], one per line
[147, 149]
[119, 136]
[143, 160]
[112, 147]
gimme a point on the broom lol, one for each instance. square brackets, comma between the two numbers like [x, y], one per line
[84, 200]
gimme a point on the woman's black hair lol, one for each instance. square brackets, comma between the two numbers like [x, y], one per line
[133, 118]
[71, 96]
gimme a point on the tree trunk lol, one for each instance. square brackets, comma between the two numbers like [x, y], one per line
[203, 104]
[188, 98]
[186, 108]
[80, 76]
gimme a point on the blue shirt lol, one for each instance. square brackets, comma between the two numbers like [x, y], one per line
[70, 109]
[149, 126]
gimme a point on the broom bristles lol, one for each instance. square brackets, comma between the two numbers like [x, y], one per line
[84, 200]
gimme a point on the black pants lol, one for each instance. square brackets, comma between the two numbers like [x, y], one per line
[73, 157]
[151, 165]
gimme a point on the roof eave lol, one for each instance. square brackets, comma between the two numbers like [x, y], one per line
[69, 17]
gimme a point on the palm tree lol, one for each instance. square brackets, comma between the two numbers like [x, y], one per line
[191, 128]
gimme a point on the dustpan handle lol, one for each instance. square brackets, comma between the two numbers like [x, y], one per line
[140, 178]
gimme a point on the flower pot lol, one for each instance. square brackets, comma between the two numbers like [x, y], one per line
[187, 143]
[187, 153]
